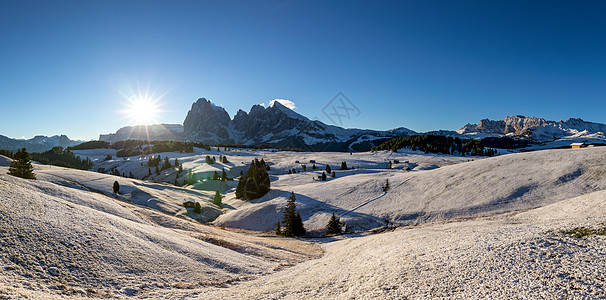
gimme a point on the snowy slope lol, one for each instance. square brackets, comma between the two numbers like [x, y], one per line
[60, 238]
[481, 187]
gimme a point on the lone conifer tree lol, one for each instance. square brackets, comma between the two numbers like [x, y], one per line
[215, 176]
[333, 226]
[21, 165]
[223, 175]
[344, 166]
[293, 223]
[217, 199]
[197, 208]
[328, 170]
[116, 187]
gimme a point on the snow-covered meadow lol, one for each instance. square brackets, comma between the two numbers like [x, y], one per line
[456, 227]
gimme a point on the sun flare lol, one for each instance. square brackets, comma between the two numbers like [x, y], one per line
[142, 110]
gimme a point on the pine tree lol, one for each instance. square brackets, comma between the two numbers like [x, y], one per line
[208, 160]
[131, 175]
[217, 199]
[180, 168]
[197, 208]
[328, 170]
[389, 165]
[21, 165]
[167, 164]
[176, 162]
[148, 172]
[116, 187]
[157, 171]
[223, 175]
[333, 226]
[344, 166]
[225, 161]
[334, 174]
[293, 224]
[323, 176]
[289, 171]
[386, 187]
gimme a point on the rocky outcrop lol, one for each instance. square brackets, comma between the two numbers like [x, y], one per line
[532, 127]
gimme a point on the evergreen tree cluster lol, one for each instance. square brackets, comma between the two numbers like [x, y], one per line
[137, 147]
[430, 143]
[154, 161]
[255, 183]
[21, 166]
[90, 145]
[293, 223]
[210, 160]
[63, 158]
[7, 153]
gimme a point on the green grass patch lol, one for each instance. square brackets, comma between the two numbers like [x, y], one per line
[580, 232]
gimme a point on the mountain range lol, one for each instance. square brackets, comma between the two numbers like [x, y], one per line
[277, 125]
[280, 126]
[38, 143]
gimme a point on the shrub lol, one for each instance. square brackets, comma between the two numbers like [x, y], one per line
[116, 187]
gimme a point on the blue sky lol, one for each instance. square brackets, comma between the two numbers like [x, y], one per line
[425, 65]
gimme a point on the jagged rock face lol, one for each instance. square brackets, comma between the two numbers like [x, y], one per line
[533, 127]
[206, 121]
[276, 122]
[277, 125]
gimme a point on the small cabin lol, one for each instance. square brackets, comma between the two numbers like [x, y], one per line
[577, 145]
[189, 202]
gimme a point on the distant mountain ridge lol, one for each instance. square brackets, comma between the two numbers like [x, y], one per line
[537, 129]
[280, 126]
[38, 143]
[274, 125]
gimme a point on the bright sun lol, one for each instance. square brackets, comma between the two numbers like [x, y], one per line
[142, 110]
